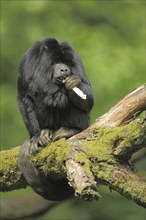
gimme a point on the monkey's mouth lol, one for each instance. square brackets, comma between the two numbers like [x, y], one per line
[59, 80]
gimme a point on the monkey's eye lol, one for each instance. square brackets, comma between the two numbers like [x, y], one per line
[45, 47]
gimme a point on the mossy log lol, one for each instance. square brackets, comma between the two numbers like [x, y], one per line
[98, 155]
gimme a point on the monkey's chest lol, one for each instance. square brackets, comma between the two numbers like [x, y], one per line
[51, 108]
[50, 118]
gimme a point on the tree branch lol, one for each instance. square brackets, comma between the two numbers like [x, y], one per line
[126, 109]
[99, 154]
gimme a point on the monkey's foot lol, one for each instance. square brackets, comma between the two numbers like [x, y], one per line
[42, 140]
[64, 133]
[45, 137]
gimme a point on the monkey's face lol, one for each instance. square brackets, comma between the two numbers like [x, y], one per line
[60, 72]
[51, 61]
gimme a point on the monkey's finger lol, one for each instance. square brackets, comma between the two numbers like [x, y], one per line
[46, 133]
[50, 134]
[71, 82]
[74, 84]
[44, 141]
[71, 85]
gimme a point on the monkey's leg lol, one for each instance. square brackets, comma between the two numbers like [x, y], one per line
[64, 132]
[44, 186]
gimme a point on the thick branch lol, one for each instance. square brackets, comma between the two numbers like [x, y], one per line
[124, 180]
[126, 109]
[99, 154]
[97, 159]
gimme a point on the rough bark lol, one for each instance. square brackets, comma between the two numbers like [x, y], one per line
[100, 154]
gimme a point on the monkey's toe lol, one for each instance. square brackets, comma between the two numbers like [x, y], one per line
[34, 148]
[45, 137]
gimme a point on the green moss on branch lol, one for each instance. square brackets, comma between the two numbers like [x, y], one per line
[96, 155]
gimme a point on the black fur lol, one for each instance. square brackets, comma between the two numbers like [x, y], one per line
[50, 108]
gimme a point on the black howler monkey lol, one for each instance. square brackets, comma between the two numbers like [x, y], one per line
[48, 74]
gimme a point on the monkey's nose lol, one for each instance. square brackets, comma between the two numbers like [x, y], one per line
[65, 71]
[61, 70]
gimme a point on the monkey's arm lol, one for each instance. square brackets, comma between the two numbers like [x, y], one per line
[38, 137]
[84, 104]
[29, 116]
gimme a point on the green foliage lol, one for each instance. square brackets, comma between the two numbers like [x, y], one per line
[109, 37]
[107, 208]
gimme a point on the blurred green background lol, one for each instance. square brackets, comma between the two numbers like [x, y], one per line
[109, 36]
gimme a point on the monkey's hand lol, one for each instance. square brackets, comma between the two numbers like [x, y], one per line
[42, 140]
[71, 81]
